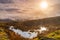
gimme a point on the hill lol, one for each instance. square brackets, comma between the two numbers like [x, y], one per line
[52, 24]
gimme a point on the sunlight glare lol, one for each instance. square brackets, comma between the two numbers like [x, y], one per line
[43, 29]
[43, 5]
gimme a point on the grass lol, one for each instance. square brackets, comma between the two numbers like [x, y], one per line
[55, 35]
[51, 36]
[3, 35]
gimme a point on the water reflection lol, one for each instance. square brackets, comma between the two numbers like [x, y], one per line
[25, 34]
[28, 34]
[41, 29]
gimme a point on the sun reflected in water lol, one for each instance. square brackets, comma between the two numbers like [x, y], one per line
[41, 29]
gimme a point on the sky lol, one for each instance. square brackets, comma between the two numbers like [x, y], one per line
[28, 9]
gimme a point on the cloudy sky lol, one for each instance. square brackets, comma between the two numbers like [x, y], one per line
[28, 9]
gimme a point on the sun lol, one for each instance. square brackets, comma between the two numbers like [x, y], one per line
[43, 5]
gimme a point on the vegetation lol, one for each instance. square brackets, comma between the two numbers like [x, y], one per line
[55, 35]
[51, 36]
[53, 24]
[3, 35]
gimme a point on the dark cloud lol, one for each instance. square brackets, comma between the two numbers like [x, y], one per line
[6, 1]
[11, 9]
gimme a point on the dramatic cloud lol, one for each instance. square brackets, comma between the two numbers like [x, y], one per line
[27, 9]
[6, 1]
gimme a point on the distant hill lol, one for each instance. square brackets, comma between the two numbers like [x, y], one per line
[32, 24]
[5, 20]
[52, 20]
